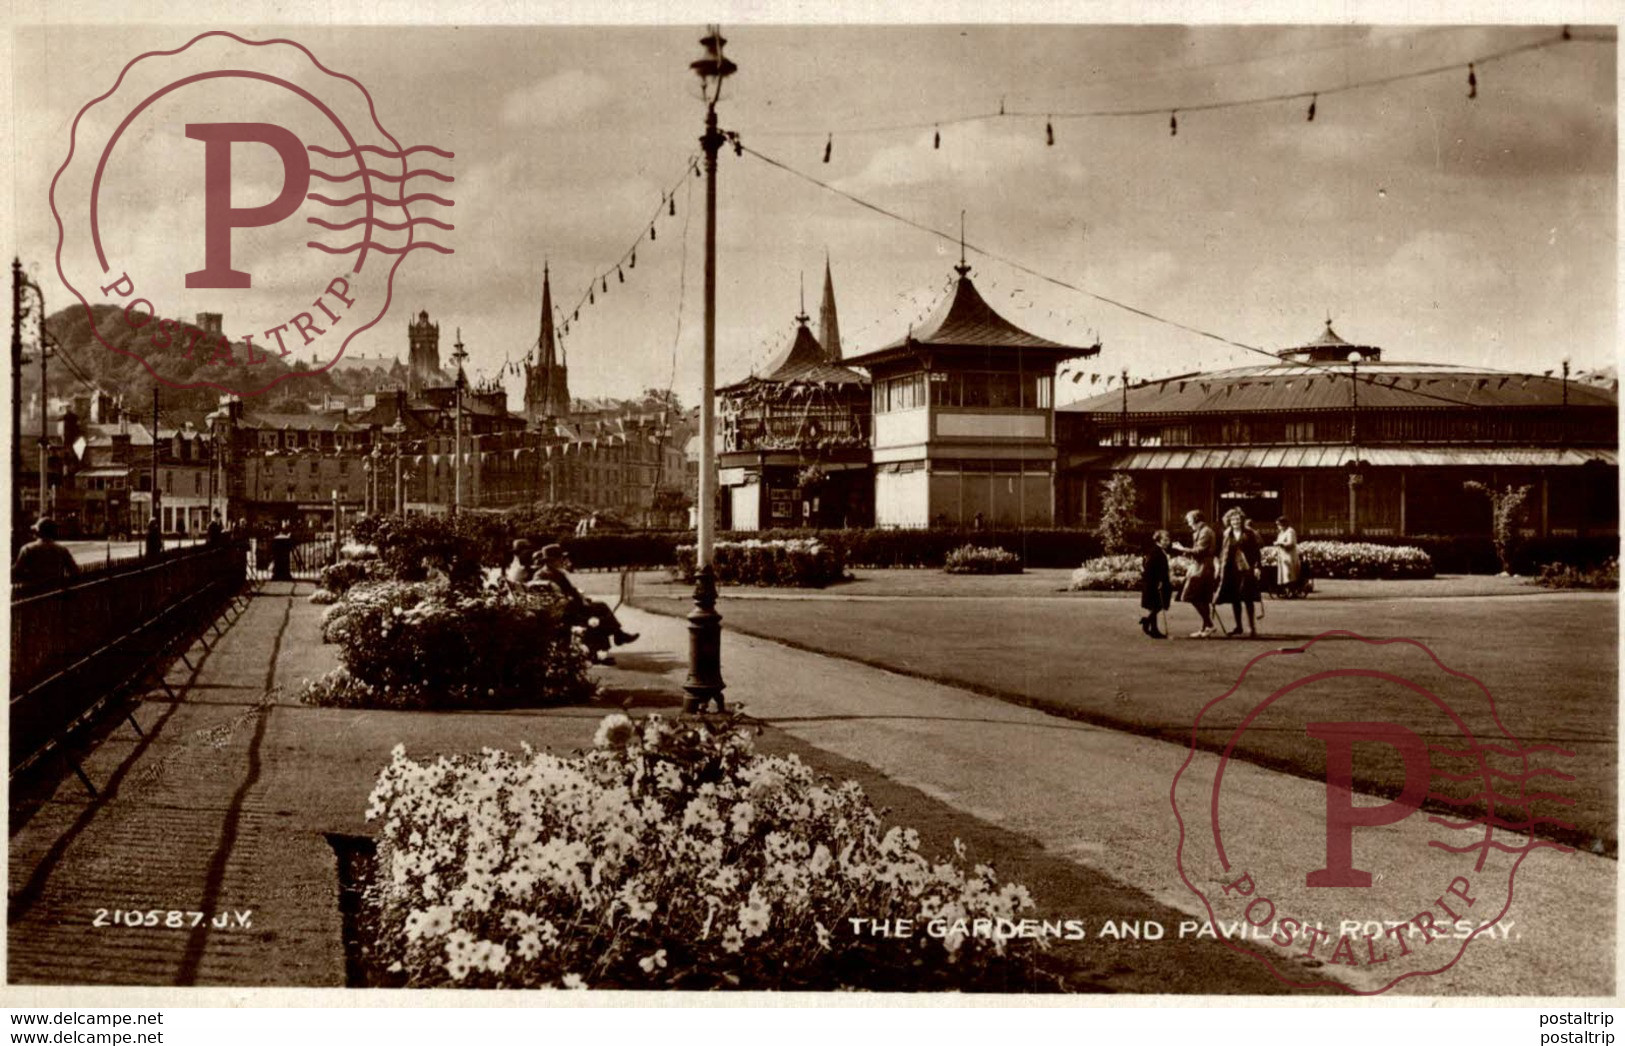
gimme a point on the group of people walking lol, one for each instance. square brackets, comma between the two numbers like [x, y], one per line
[1229, 571]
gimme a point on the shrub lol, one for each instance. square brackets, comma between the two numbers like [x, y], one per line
[1122, 573]
[929, 547]
[669, 856]
[410, 547]
[423, 645]
[1507, 512]
[805, 563]
[338, 578]
[1359, 560]
[1562, 575]
[972, 559]
[1119, 522]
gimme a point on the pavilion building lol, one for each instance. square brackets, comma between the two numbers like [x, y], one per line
[795, 439]
[1345, 442]
[964, 419]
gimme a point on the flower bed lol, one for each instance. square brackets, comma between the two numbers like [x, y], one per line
[424, 645]
[670, 856]
[338, 578]
[1561, 575]
[805, 563]
[1359, 560]
[972, 559]
[1122, 573]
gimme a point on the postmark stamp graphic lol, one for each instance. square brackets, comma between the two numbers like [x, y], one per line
[1393, 843]
[232, 204]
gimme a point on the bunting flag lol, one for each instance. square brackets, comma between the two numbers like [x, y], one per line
[547, 451]
[1548, 374]
[1182, 386]
[434, 459]
[1482, 382]
[1206, 387]
[1309, 384]
[1503, 383]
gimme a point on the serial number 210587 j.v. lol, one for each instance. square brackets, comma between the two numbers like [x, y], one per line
[173, 919]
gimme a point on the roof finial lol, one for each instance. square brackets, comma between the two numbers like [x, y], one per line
[962, 268]
[801, 317]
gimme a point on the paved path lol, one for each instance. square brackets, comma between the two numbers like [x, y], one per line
[225, 806]
[1099, 797]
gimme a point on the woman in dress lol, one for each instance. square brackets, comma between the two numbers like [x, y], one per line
[1156, 584]
[1198, 589]
[1239, 559]
[1289, 569]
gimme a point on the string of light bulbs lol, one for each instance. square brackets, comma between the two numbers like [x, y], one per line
[1312, 95]
[1330, 369]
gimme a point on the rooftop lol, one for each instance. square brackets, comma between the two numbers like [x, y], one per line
[965, 320]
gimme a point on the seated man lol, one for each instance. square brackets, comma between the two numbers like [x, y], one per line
[42, 561]
[552, 564]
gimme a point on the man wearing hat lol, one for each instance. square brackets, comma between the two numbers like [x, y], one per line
[552, 564]
[43, 561]
[519, 570]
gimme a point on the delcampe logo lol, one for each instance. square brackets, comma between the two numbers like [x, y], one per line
[236, 202]
[1399, 849]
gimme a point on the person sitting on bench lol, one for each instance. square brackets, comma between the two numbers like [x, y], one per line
[552, 564]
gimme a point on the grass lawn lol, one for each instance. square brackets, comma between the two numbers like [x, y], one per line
[1549, 659]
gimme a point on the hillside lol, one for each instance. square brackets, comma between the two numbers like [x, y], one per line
[84, 363]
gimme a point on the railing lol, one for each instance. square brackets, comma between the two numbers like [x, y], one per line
[310, 555]
[75, 647]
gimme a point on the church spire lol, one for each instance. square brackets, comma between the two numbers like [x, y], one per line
[547, 388]
[829, 329]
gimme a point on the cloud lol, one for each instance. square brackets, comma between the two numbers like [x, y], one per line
[559, 99]
[977, 155]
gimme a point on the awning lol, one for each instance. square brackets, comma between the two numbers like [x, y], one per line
[1158, 459]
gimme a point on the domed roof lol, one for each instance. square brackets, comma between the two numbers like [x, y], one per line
[1296, 385]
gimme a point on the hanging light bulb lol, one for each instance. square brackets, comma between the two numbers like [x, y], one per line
[651, 233]
[1472, 81]
[576, 315]
[634, 262]
[1313, 102]
[672, 208]
[936, 139]
[1173, 123]
[828, 145]
[606, 284]
[1049, 132]
[620, 277]
[739, 146]
[590, 299]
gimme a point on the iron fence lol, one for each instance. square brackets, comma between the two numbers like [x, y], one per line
[75, 647]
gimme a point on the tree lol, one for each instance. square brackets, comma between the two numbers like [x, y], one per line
[1119, 520]
[1507, 513]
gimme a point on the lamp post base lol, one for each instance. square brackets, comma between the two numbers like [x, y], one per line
[704, 683]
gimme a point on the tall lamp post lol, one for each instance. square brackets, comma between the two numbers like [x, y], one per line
[1356, 475]
[458, 354]
[704, 683]
[397, 430]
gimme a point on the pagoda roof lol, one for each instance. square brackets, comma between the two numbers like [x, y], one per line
[805, 361]
[965, 321]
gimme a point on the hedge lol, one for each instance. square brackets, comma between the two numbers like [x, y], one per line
[796, 563]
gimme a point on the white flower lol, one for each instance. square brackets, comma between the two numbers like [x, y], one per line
[614, 732]
[651, 963]
[574, 982]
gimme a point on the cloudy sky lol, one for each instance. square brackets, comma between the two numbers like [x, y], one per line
[1445, 229]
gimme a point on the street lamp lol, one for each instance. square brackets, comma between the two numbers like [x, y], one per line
[704, 683]
[397, 430]
[1355, 476]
